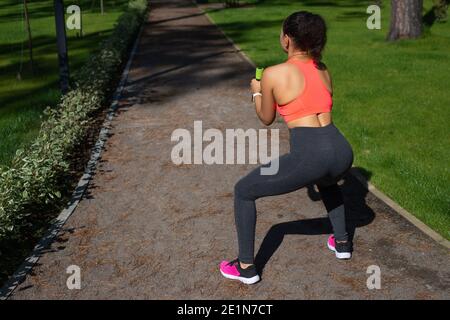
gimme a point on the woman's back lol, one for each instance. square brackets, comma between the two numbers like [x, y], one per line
[303, 89]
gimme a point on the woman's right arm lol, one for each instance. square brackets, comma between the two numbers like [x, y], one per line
[265, 109]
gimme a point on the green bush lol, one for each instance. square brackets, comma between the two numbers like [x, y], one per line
[37, 177]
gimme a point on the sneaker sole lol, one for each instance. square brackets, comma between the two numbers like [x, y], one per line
[251, 280]
[340, 255]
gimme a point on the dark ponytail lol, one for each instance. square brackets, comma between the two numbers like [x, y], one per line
[308, 31]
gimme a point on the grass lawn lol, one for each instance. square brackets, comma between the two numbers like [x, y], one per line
[22, 101]
[391, 100]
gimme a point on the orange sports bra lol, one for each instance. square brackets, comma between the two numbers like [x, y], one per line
[315, 97]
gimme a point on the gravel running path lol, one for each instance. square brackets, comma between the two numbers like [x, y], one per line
[148, 229]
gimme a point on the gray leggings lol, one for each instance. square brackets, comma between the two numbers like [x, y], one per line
[318, 155]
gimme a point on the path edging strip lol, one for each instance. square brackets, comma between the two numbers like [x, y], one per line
[354, 171]
[23, 270]
[400, 210]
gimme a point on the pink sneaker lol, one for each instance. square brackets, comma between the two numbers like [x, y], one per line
[233, 270]
[343, 250]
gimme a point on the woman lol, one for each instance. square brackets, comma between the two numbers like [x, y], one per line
[301, 91]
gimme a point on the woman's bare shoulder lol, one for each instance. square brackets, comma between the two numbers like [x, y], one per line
[278, 68]
[277, 71]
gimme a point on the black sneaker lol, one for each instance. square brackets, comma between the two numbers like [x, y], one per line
[343, 250]
[233, 270]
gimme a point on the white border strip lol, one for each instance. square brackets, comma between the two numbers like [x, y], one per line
[370, 187]
[83, 183]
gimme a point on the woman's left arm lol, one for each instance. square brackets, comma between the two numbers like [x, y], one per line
[264, 105]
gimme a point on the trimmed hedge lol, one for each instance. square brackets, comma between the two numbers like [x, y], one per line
[36, 178]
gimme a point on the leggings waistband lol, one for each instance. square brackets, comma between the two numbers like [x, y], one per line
[315, 130]
[311, 131]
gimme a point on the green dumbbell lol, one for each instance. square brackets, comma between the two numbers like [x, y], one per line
[258, 73]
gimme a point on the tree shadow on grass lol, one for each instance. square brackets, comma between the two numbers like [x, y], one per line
[37, 9]
[316, 3]
[348, 15]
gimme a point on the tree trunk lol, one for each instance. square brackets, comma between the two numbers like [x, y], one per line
[406, 19]
[61, 43]
[30, 41]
